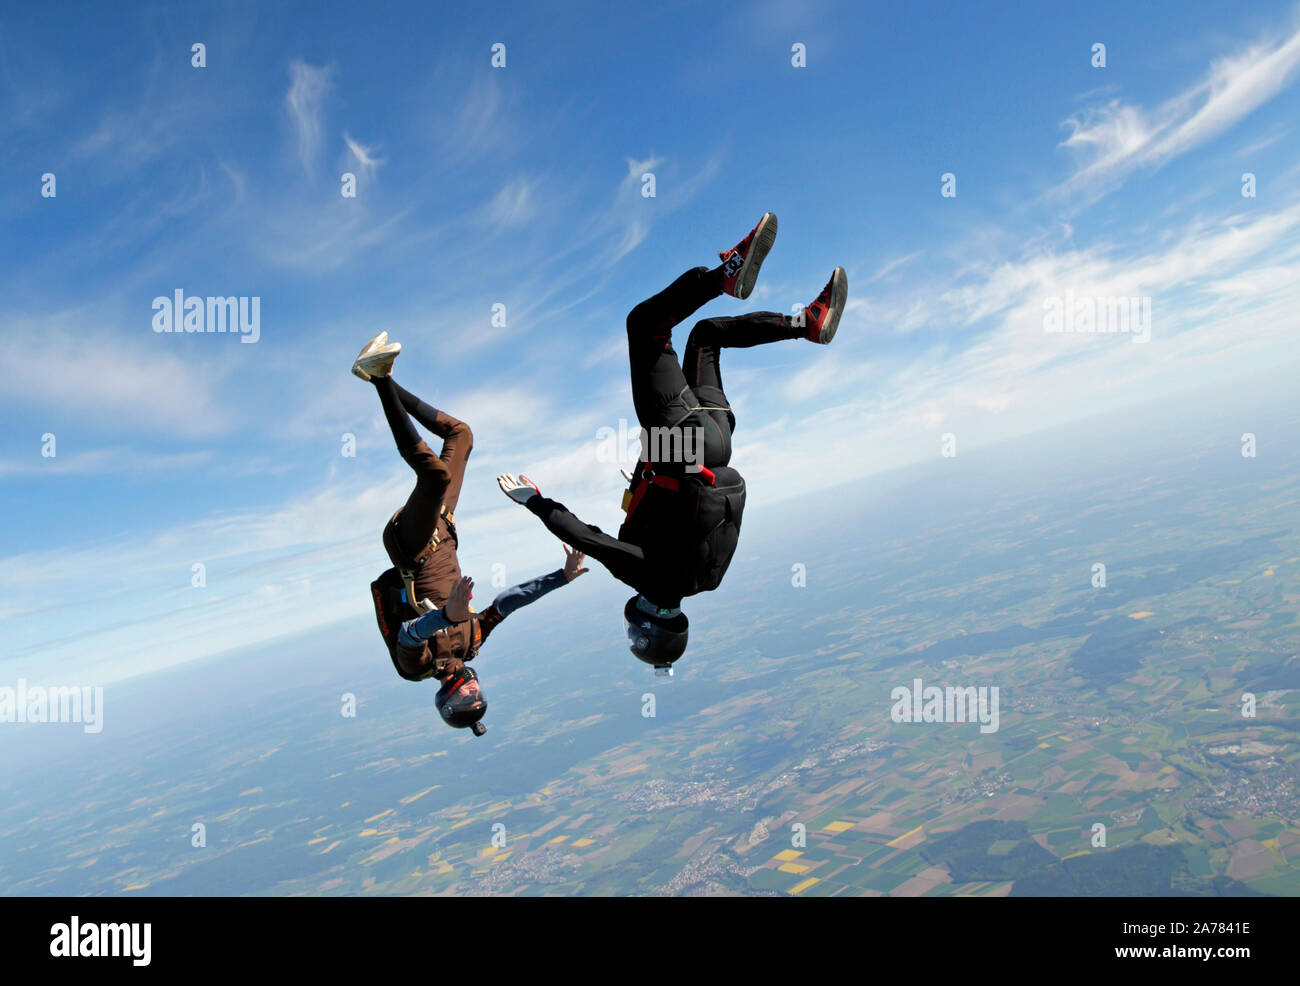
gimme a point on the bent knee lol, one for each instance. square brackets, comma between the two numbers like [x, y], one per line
[703, 333]
[464, 437]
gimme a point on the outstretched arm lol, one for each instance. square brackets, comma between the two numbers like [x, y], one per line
[622, 559]
[519, 596]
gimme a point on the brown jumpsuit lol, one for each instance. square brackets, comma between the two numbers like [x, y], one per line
[420, 539]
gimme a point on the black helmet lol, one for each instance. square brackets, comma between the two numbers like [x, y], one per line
[657, 640]
[460, 700]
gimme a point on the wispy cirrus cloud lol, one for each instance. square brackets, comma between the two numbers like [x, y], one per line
[624, 224]
[890, 268]
[304, 100]
[366, 159]
[314, 240]
[477, 126]
[1117, 138]
[630, 207]
[514, 204]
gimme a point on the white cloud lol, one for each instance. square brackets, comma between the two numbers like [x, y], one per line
[112, 379]
[631, 207]
[1117, 138]
[317, 240]
[887, 270]
[477, 126]
[364, 156]
[513, 205]
[103, 460]
[307, 88]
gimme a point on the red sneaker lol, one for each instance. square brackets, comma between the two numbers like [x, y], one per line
[822, 317]
[740, 266]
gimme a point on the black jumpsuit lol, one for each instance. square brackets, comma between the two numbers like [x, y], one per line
[680, 397]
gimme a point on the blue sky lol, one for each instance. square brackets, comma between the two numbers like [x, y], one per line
[521, 186]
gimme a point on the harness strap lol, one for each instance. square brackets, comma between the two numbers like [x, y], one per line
[408, 581]
[408, 574]
[691, 409]
[434, 540]
[646, 477]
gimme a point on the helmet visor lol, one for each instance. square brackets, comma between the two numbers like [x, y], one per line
[636, 638]
[463, 693]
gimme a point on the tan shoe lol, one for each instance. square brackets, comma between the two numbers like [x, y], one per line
[368, 348]
[378, 362]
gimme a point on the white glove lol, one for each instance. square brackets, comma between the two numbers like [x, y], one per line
[520, 490]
